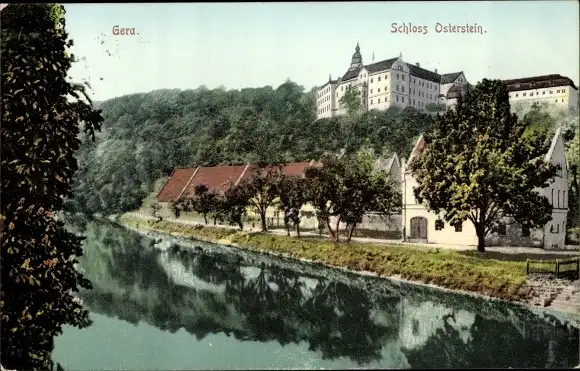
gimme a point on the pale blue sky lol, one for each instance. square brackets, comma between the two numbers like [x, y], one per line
[239, 45]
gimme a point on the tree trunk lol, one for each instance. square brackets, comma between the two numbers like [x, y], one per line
[330, 231]
[338, 228]
[298, 229]
[350, 230]
[480, 231]
[205, 218]
[263, 217]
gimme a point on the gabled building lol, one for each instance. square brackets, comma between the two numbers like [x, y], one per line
[420, 224]
[392, 166]
[182, 182]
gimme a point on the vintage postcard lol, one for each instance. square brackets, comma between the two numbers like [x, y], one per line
[297, 185]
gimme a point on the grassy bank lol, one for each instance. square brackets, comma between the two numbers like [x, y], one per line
[449, 269]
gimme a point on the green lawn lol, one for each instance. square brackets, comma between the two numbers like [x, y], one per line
[451, 269]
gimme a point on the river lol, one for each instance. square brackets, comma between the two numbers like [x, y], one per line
[211, 307]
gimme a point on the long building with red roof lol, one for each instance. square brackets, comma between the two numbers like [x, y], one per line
[182, 182]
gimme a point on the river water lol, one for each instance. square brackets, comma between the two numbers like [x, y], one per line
[210, 307]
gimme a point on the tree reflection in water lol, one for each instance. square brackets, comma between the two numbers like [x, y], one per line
[208, 293]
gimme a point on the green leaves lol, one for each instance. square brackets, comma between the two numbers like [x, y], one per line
[347, 188]
[38, 138]
[481, 164]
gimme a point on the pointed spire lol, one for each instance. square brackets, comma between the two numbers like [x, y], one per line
[401, 55]
[329, 77]
[357, 47]
[373, 56]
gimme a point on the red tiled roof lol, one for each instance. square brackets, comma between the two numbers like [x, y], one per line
[175, 184]
[182, 182]
[419, 146]
[289, 169]
[216, 178]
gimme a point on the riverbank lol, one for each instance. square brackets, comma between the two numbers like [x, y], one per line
[446, 269]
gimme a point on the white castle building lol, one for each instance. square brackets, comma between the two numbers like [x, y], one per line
[392, 82]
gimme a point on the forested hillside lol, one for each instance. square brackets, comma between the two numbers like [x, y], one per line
[145, 136]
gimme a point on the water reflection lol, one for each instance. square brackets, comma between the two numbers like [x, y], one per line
[369, 322]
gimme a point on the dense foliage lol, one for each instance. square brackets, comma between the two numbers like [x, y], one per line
[347, 188]
[40, 129]
[145, 136]
[479, 165]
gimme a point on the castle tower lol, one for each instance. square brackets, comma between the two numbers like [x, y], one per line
[356, 61]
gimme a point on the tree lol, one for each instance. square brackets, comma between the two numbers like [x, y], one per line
[40, 134]
[233, 205]
[175, 208]
[204, 201]
[293, 195]
[264, 188]
[573, 157]
[478, 165]
[347, 188]
[351, 101]
[155, 209]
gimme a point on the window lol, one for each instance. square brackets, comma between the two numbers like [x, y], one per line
[458, 227]
[371, 80]
[403, 77]
[517, 95]
[552, 228]
[524, 94]
[403, 89]
[342, 88]
[371, 91]
[386, 77]
[562, 100]
[525, 231]
[378, 78]
[337, 94]
[564, 201]
[558, 91]
[371, 101]
[414, 81]
[403, 99]
[544, 92]
[501, 230]
[551, 92]
[397, 76]
[552, 198]
[439, 225]
[413, 101]
[563, 90]
[379, 90]
[397, 98]
[397, 87]
[379, 101]
[557, 228]
[556, 101]
[563, 226]
[558, 199]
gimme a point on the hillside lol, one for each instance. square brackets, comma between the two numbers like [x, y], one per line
[145, 136]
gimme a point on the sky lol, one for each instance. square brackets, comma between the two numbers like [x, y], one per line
[239, 45]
